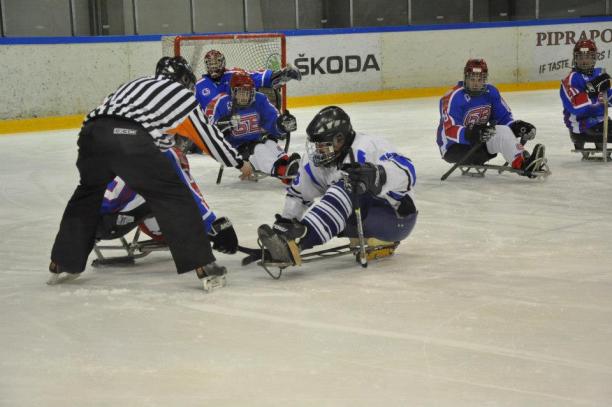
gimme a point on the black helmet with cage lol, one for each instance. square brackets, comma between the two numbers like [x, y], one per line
[176, 69]
[330, 136]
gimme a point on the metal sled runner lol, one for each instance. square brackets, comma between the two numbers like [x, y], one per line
[262, 257]
[480, 170]
[133, 249]
[593, 154]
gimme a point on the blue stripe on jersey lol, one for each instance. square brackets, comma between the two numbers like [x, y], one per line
[328, 217]
[207, 215]
[403, 162]
[311, 175]
[361, 156]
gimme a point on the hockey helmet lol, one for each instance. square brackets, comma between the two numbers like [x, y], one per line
[215, 63]
[330, 135]
[585, 55]
[243, 89]
[176, 69]
[475, 75]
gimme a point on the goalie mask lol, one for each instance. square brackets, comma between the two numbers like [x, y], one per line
[176, 69]
[585, 55]
[475, 75]
[330, 136]
[215, 64]
[243, 89]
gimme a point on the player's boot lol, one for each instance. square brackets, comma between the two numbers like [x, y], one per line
[212, 276]
[59, 276]
[376, 248]
[283, 252]
[534, 161]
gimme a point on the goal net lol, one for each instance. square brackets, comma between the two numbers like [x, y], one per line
[244, 51]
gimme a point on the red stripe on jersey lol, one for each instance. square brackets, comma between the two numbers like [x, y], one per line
[451, 130]
[581, 99]
[210, 108]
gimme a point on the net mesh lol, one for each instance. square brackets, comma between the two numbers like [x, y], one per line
[241, 51]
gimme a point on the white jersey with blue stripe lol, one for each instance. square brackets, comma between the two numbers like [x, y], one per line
[312, 181]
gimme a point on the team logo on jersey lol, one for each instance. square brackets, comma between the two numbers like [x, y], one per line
[467, 97]
[477, 115]
[229, 105]
[248, 124]
[205, 91]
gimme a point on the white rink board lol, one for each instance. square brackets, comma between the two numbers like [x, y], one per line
[66, 79]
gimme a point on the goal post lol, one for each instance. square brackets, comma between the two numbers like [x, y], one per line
[245, 51]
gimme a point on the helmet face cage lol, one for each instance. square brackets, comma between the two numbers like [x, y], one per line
[243, 89]
[322, 153]
[328, 133]
[243, 95]
[215, 63]
[475, 75]
[585, 56]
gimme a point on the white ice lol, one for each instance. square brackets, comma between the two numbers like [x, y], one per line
[502, 296]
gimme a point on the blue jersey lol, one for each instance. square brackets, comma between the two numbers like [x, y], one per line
[252, 122]
[459, 110]
[580, 111]
[206, 89]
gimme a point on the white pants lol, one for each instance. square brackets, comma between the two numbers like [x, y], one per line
[265, 155]
[506, 143]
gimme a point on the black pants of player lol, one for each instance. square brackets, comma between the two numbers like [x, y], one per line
[109, 147]
[456, 152]
[591, 135]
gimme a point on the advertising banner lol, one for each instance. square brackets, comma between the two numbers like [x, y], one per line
[336, 63]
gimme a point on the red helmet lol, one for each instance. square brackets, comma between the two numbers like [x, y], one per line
[215, 63]
[585, 56]
[243, 88]
[475, 74]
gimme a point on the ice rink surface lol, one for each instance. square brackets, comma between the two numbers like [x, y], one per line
[502, 296]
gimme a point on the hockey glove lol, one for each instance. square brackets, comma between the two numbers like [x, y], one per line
[365, 177]
[286, 122]
[223, 236]
[291, 229]
[523, 130]
[283, 76]
[479, 133]
[599, 84]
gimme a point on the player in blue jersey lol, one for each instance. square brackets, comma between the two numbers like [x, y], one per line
[584, 92]
[382, 178]
[217, 78]
[253, 125]
[123, 209]
[473, 112]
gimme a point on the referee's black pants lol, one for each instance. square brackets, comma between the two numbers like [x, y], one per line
[110, 147]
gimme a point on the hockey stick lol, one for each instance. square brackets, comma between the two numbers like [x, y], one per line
[604, 146]
[462, 161]
[363, 258]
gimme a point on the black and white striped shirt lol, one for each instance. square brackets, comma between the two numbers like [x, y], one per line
[159, 105]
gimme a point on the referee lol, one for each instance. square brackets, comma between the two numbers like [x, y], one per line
[122, 137]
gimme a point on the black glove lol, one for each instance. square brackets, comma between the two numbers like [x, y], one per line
[526, 131]
[479, 133]
[290, 228]
[223, 236]
[365, 177]
[599, 84]
[286, 122]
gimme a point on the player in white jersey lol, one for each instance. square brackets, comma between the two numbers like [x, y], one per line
[379, 177]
